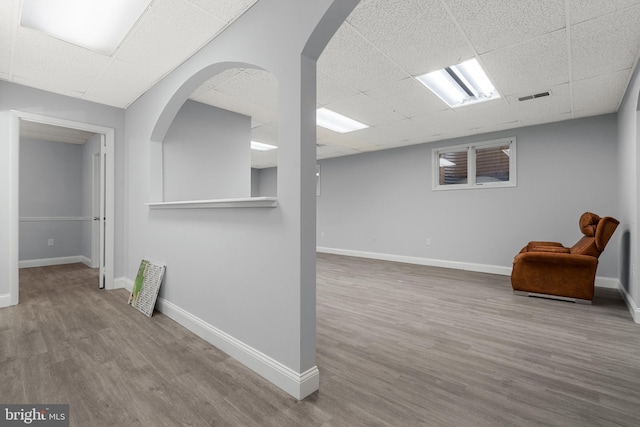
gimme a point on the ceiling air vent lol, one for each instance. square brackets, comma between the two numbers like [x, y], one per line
[534, 96]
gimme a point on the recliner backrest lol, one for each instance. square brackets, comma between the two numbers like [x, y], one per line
[597, 232]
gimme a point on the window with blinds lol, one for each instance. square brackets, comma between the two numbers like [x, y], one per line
[476, 165]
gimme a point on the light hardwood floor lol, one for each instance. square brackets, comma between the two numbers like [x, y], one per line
[397, 344]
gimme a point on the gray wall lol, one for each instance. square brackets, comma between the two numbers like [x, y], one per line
[247, 272]
[265, 182]
[50, 187]
[206, 154]
[628, 160]
[255, 182]
[50, 178]
[56, 180]
[383, 202]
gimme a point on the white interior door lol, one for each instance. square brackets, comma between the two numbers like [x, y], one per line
[102, 215]
[95, 211]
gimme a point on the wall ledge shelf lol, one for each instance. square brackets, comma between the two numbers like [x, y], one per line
[248, 202]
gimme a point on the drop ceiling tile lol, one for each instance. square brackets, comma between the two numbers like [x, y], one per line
[225, 10]
[254, 86]
[330, 89]
[422, 128]
[233, 103]
[584, 10]
[215, 81]
[601, 94]
[439, 122]
[267, 133]
[493, 24]
[349, 58]
[8, 21]
[407, 97]
[387, 16]
[167, 34]
[365, 109]
[406, 129]
[555, 107]
[122, 83]
[495, 127]
[375, 137]
[528, 66]
[264, 159]
[398, 144]
[353, 140]
[330, 151]
[544, 119]
[486, 114]
[45, 84]
[419, 36]
[53, 133]
[473, 119]
[58, 66]
[606, 44]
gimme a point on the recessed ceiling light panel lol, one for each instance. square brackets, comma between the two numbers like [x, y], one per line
[461, 84]
[261, 146]
[95, 25]
[337, 122]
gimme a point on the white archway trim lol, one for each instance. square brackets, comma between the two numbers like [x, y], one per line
[14, 152]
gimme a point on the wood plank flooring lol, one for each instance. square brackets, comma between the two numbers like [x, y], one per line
[397, 345]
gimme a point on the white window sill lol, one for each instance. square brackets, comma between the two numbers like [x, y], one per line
[249, 202]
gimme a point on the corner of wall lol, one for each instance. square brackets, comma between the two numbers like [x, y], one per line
[631, 305]
[5, 300]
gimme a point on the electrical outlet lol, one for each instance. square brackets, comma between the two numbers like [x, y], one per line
[322, 234]
[374, 239]
[429, 241]
[50, 242]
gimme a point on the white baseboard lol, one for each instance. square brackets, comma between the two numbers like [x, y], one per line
[457, 265]
[608, 282]
[631, 305]
[298, 385]
[43, 262]
[604, 282]
[5, 300]
[123, 282]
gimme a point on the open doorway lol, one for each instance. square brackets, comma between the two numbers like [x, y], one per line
[96, 220]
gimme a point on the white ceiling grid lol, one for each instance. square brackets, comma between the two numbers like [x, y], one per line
[582, 51]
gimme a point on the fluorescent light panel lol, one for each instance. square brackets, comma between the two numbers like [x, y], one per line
[261, 146]
[337, 122]
[95, 25]
[461, 84]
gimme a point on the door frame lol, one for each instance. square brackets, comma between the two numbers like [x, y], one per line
[107, 147]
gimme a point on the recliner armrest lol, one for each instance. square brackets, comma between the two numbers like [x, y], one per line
[561, 274]
[563, 259]
[552, 249]
[534, 244]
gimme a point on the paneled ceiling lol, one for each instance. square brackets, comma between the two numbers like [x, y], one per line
[581, 51]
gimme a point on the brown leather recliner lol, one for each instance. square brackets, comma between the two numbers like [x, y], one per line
[551, 270]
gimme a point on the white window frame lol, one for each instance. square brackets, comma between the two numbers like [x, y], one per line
[471, 165]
